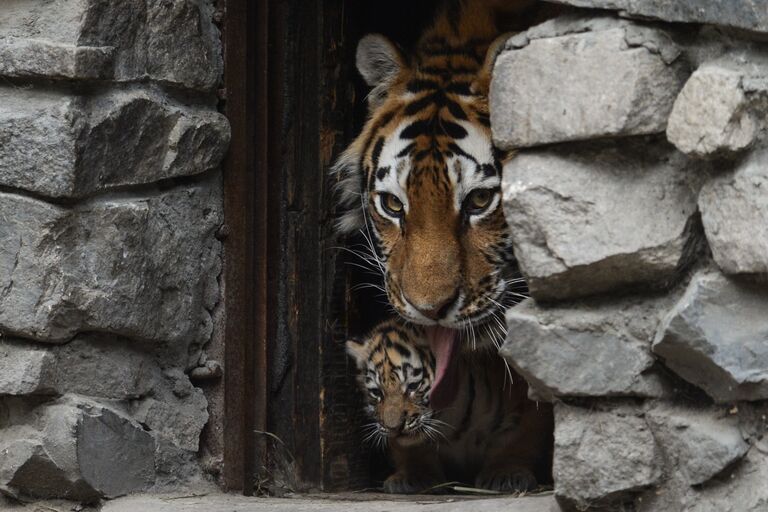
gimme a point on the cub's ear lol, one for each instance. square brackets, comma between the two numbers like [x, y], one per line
[379, 62]
[358, 350]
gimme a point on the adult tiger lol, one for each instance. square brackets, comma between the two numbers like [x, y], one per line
[423, 178]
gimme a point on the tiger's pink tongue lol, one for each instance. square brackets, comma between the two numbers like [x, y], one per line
[443, 342]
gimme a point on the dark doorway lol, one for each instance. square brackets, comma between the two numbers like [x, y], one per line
[292, 411]
[295, 101]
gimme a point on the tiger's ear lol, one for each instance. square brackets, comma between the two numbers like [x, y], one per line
[358, 350]
[482, 83]
[379, 62]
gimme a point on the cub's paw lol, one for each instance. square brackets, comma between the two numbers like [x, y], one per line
[400, 483]
[507, 480]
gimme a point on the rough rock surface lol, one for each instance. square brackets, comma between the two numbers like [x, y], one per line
[597, 218]
[716, 337]
[622, 80]
[152, 259]
[699, 443]
[740, 488]
[178, 413]
[30, 58]
[748, 14]
[734, 209]
[77, 449]
[91, 364]
[713, 115]
[169, 42]
[586, 349]
[110, 201]
[61, 145]
[743, 491]
[602, 456]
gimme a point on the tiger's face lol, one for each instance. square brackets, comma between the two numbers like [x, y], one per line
[396, 376]
[423, 182]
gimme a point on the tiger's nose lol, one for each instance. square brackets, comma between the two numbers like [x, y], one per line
[438, 309]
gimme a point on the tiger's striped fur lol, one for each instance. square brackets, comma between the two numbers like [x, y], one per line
[491, 436]
[423, 177]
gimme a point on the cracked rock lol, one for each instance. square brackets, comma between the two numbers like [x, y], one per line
[144, 268]
[586, 349]
[79, 450]
[92, 364]
[716, 337]
[602, 456]
[59, 145]
[713, 115]
[699, 443]
[747, 14]
[734, 209]
[621, 80]
[170, 42]
[178, 415]
[601, 217]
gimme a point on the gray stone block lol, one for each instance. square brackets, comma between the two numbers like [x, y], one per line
[716, 337]
[60, 145]
[586, 349]
[602, 456]
[734, 209]
[145, 268]
[76, 449]
[170, 42]
[714, 114]
[597, 218]
[91, 364]
[41, 59]
[177, 411]
[24, 369]
[612, 80]
[744, 490]
[740, 488]
[747, 14]
[699, 443]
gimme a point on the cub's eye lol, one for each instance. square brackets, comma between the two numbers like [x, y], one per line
[392, 205]
[375, 394]
[478, 200]
[412, 387]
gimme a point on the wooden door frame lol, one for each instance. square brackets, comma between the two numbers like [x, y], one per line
[287, 99]
[245, 258]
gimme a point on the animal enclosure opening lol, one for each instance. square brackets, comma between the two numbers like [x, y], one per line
[322, 289]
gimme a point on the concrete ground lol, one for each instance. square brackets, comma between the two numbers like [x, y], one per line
[313, 503]
[330, 503]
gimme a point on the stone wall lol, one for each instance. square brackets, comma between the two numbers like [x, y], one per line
[638, 203]
[110, 201]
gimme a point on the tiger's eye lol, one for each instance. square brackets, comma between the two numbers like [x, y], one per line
[479, 199]
[392, 205]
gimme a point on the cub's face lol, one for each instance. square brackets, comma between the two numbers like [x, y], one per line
[423, 182]
[396, 377]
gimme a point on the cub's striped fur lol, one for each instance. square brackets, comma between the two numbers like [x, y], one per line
[423, 177]
[490, 436]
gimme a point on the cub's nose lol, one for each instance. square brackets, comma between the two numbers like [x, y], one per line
[393, 420]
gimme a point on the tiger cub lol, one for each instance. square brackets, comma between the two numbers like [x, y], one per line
[488, 434]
